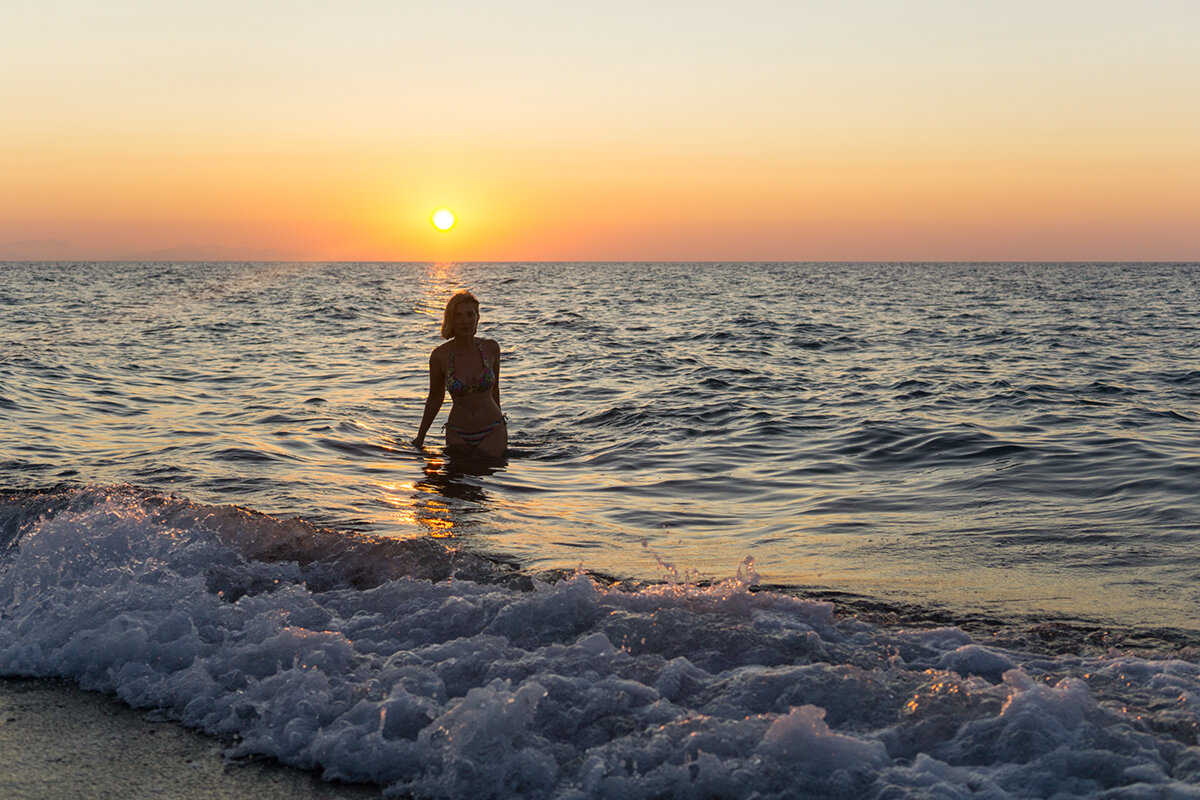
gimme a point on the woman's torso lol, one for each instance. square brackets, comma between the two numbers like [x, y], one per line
[470, 380]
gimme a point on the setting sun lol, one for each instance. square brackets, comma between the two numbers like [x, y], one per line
[703, 161]
[443, 219]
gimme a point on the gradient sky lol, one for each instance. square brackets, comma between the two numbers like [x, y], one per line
[650, 130]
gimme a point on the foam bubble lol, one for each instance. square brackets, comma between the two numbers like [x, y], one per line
[801, 735]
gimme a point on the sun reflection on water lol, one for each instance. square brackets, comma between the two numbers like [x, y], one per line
[441, 280]
[417, 509]
[444, 504]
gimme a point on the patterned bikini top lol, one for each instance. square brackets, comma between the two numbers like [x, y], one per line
[486, 381]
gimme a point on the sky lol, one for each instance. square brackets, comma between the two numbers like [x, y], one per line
[859, 130]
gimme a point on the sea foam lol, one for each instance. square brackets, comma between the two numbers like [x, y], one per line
[437, 673]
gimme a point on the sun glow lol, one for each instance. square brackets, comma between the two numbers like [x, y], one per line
[443, 219]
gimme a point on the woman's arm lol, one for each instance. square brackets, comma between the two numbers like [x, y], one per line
[433, 403]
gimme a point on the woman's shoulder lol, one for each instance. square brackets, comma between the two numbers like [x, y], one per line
[490, 346]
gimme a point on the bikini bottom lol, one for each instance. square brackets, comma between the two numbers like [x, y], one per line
[473, 438]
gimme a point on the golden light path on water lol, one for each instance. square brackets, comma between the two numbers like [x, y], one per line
[423, 504]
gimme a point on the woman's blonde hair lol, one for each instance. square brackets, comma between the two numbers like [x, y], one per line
[462, 296]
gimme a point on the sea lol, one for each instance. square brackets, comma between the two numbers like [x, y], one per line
[778, 530]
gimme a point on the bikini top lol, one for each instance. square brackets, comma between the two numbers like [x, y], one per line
[486, 380]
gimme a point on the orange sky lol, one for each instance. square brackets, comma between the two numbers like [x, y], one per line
[794, 131]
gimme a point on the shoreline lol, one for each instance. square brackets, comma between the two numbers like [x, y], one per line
[65, 742]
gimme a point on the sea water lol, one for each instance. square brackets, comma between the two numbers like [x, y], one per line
[765, 530]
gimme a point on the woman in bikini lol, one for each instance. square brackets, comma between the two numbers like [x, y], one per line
[468, 368]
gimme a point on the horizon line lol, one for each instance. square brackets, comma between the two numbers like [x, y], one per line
[581, 261]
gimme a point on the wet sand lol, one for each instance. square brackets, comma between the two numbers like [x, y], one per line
[59, 741]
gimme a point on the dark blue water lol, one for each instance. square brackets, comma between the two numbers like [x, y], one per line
[209, 507]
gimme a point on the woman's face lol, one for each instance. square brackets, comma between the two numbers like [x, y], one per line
[466, 319]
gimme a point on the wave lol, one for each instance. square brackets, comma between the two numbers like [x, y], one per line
[439, 673]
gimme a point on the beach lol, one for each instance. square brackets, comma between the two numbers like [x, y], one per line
[63, 742]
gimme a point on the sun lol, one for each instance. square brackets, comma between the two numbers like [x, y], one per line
[443, 219]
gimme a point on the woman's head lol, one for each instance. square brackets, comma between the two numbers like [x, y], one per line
[462, 305]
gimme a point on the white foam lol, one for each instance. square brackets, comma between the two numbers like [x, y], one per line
[801, 736]
[973, 659]
[454, 687]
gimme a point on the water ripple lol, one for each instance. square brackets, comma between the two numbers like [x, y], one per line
[957, 432]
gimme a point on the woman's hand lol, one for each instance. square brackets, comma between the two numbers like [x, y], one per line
[419, 441]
